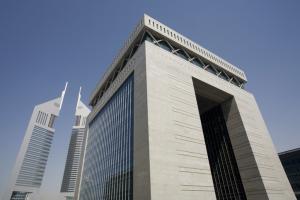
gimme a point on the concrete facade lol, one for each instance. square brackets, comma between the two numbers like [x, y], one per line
[170, 92]
[170, 152]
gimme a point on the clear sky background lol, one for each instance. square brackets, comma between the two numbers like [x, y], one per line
[45, 43]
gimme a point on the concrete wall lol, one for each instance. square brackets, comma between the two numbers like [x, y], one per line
[261, 171]
[141, 166]
[179, 167]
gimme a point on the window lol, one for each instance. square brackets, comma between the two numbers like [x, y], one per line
[235, 82]
[77, 120]
[147, 37]
[223, 76]
[198, 62]
[165, 46]
[211, 69]
[51, 121]
[182, 54]
[224, 169]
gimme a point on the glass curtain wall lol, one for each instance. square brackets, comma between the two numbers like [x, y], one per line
[107, 173]
[226, 177]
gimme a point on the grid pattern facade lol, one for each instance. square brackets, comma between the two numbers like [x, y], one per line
[224, 169]
[291, 163]
[19, 195]
[35, 160]
[108, 164]
[73, 159]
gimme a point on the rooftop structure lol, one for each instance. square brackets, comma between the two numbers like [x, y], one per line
[167, 38]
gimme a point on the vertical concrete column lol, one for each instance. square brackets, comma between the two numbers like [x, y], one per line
[261, 172]
[247, 165]
[141, 166]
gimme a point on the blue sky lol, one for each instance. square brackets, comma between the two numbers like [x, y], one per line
[45, 43]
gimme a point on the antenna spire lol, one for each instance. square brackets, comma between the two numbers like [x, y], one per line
[63, 95]
[79, 96]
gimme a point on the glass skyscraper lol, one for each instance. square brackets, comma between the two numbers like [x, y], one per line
[29, 169]
[75, 149]
[171, 120]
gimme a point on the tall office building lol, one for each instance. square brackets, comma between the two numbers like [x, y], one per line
[28, 171]
[172, 121]
[291, 163]
[75, 148]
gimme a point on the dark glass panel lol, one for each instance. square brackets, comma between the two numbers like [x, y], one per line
[235, 82]
[16, 195]
[165, 46]
[198, 62]
[147, 37]
[224, 169]
[211, 70]
[182, 54]
[223, 76]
